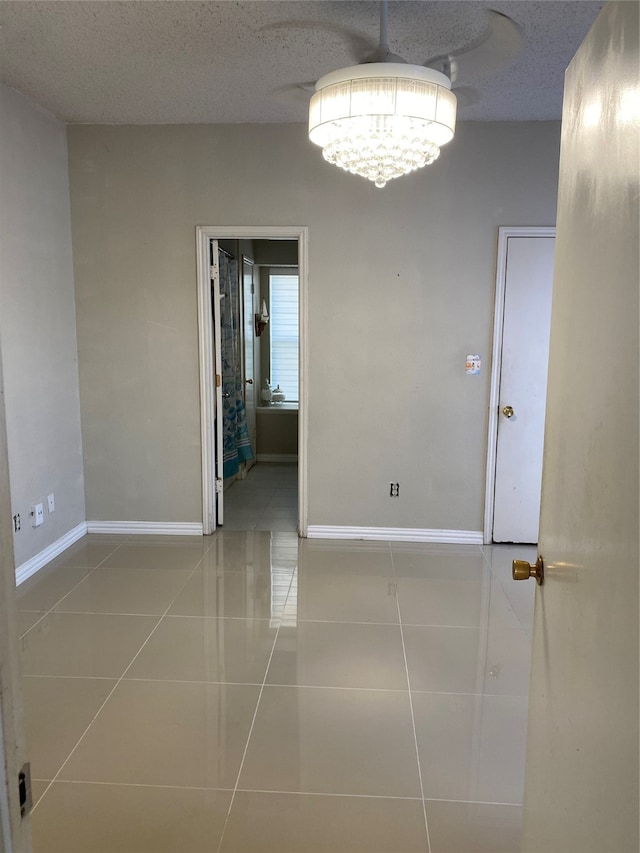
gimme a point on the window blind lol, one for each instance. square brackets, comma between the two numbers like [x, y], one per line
[283, 320]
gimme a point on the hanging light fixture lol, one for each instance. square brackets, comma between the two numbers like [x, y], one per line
[384, 118]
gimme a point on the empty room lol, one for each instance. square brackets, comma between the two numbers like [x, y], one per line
[319, 342]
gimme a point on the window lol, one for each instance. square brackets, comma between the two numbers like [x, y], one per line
[283, 322]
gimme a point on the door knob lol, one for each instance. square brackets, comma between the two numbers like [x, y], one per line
[249, 381]
[508, 412]
[522, 570]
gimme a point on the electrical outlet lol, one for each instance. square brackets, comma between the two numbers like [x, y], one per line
[16, 522]
[37, 515]
[51, 502]
[394, 490]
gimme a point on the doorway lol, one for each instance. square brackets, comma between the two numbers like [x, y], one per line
[522, 324]
[258, 251]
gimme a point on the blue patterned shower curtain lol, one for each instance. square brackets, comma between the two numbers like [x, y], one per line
[236, 443]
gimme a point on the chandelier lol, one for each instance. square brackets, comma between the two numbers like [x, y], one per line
[382, 120]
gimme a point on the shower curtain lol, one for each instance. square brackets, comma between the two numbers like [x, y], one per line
[236, 443]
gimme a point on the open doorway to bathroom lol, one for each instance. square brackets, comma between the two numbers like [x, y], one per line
[260, 383]
[252, 310]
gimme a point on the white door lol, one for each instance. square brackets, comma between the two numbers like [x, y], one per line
[218, 461]
[528, 282]
[581, 787]
[248, 338]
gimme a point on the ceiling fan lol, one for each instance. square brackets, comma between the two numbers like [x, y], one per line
[385, 117]
[497, 46]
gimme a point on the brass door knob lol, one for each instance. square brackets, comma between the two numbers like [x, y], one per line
[521, 570]
[508, 412]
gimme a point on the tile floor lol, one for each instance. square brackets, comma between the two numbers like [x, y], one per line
[266, 500]
[254, 692]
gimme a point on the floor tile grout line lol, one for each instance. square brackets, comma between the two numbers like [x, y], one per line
[98, 783]
[338, 622]
[282, 686]
[413, 719]
[496, 576]
[515, 612]
[115, 686]
[134, 615]
[116, 613]
[519, 630]
[370, 796]
[327, 794]
[255, 714]
[153, 570]
[352, 796]
[72, 677]
[275, 684]
[473, 802]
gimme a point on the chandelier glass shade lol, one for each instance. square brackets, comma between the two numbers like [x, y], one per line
[382, 120]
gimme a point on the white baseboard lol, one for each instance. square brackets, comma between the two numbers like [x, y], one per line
[277, 457]
[396, 534]
[146, 528]
[31, 566]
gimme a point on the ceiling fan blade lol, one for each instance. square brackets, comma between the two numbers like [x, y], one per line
[294, 92]
[467, 96]
[359, 45]
[499, 45]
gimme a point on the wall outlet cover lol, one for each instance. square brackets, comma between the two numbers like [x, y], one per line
[37, 515]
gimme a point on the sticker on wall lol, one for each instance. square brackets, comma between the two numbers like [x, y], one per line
[473, 365]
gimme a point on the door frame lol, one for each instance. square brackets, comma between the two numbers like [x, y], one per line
[204, 233]
[244, 263]
[15, 831]
[504, 233]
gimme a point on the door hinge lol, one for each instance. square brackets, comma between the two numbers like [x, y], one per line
[218, 485]
[24, 787]
[218, 380]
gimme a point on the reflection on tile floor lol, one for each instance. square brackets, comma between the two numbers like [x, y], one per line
[276, 694]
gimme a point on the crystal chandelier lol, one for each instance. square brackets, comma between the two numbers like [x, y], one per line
[382, 120]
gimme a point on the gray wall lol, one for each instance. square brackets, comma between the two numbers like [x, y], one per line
[276, 252]
[401, 288]
[278, 432]
[37, 323]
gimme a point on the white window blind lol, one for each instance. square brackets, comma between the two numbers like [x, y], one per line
[283, 320]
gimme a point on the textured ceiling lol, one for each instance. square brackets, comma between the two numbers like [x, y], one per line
[178, 61]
